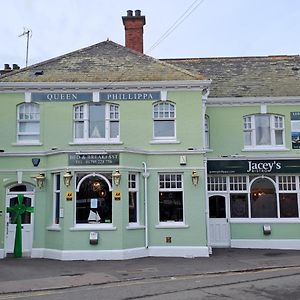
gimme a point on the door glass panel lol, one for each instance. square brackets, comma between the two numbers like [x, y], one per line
[26, 217]
[217, 207]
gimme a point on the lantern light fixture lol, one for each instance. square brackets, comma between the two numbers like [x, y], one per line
[195, 178]
[67, 178]
[40, 180]
[116, 177]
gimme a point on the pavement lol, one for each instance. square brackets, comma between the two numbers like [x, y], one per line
[28, 274]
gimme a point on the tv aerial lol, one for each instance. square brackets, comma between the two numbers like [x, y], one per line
[28, 33]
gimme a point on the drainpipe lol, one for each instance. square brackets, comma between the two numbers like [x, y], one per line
[146, 175]
[205, 94]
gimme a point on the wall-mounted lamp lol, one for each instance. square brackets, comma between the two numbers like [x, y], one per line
[67, 178]
[195, 178]
[116, 177]
[40, 180]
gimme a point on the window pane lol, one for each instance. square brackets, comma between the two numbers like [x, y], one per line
[132, 207]
[247, 138]
[263, 199]
[170, 206]
[114, 129]
[79, 130]
[288, 205]
[164, 129]
[262, 125]
[28, 137]
[97, 121]
[278, 137]
[239, 205]
[217, 207]
[93, 202]
[30, 127]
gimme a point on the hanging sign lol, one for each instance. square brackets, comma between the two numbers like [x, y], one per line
[117, 195]
[69, 196]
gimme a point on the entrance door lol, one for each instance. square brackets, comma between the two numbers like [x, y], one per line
[218, 221]
[27, 225]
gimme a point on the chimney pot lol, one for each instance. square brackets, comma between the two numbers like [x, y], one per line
[138, 13]
[16, 67]
[6, 67]
[129, 13]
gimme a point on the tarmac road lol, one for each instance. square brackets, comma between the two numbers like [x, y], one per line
[30, 275]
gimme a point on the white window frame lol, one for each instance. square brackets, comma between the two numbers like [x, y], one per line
[206, 133]
[56, 192]
[166, 115]
[276, 124]
[30, 114]
[112, 114]
[133, 186]
[168, 224]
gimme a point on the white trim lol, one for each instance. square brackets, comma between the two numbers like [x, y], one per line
[267, 244]
[124, 85]
[289, 100]
[133, 226]
[2, 253]
[164, 142]
[122, 254]
[179, 251]
[264, 220]
[171, 225]
[264, 149]
[89, 227]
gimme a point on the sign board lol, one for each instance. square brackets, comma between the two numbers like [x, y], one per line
[253, 166]
[295, 129]
[93, 159]
[61, 97]
[135, 96]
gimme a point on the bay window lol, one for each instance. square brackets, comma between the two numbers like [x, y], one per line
[96, 122]
[263, 130]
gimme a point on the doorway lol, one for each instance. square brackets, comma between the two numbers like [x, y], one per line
[27, 218]
[219, 228]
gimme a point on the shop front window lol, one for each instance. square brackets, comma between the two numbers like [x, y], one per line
[93, 199]
[133, 198]
[170, 198]
[263, 199]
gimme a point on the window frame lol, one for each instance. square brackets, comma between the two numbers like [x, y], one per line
[133, 178]
[56, 201]
[111, 116]
[250, 130]
[171, 223]
[31, 108]
[164, 118]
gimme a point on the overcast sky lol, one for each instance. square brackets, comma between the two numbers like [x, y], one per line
[212, 28]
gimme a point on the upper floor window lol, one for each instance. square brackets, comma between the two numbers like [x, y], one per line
[96, 122]
[206, 127]
[28, 127]
[164, 115]
[263, 130]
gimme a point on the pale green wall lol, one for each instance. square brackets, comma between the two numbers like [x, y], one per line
[226, 129]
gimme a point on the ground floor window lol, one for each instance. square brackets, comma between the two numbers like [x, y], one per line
[170, 197]
[267, 196]
[133, 198]
[93, 198]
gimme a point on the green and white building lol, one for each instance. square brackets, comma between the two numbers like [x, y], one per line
[123, 155]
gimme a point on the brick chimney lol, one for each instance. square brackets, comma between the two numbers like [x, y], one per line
[8, 69]
[134, 30]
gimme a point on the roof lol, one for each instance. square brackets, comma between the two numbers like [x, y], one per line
[102, 62]
[268, 76]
